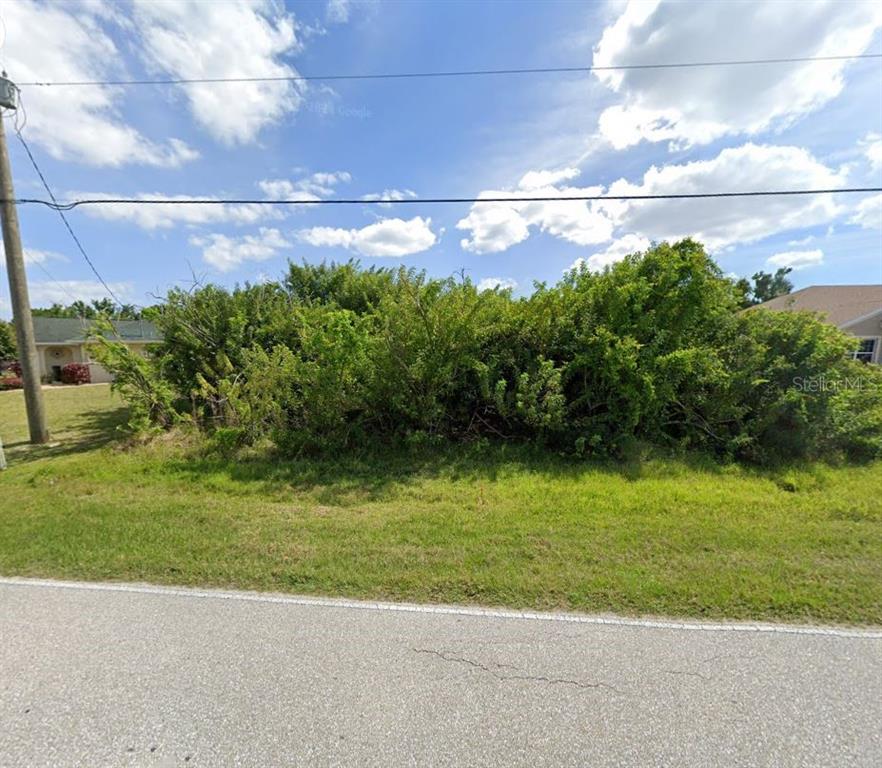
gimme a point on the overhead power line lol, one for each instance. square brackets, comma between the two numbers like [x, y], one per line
[58, 285]
[60, 208]
[451, 73]
[71, 205]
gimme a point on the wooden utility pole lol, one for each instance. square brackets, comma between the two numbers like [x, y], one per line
[18, 290]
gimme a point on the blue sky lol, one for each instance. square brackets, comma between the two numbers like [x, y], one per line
[796, 125]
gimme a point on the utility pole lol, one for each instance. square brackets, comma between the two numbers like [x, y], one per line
[18, 285]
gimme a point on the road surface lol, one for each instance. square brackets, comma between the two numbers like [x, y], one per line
[115, 675]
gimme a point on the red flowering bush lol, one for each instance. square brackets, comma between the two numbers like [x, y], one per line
[75, 373]
[10, 382]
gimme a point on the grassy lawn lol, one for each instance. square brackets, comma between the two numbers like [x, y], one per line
[498, 527]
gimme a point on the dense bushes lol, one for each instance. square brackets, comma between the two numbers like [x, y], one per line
[652, 349]
[10, 375]
[8, 346]
[75, 373]
[137, 379]
[10, 382]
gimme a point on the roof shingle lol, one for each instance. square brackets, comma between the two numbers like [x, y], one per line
[839, 303]
[74, 330]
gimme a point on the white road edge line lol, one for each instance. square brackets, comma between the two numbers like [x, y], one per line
[449, 610]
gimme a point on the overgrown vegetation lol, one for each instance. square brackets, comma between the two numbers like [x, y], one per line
[653, 349]
[765, 286]
[8, 346]
[96, 308]
[494, 524]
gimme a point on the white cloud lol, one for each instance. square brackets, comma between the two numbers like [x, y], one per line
[802, 241]
[871, 145]
[390, 196]
[868, 213]
[492, 283]
[496, 226]
[323, 183]
[282, 189]
[337, 11]
[539, 179]
[698, 105]
[718, 223]
[797, 259]
[722, 222]
[35, 256]
[65, 291]
[237, 38]
[166, 215]
[226, 253]
[387, 237]
[45, 42]
[312, 187]
[32, 256]
[612, 254]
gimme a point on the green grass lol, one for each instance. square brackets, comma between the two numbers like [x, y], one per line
[502, 526]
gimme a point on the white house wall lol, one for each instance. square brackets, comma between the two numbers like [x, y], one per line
[77, 353]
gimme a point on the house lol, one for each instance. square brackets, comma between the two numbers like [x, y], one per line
[63, 340]
[856, 309]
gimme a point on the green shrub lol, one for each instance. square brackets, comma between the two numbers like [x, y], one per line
[652, 350]
[8, 346]
[780, 365]
[137, 380]
[345, 286]
[311, 398]
[426, 366]
[856, 413]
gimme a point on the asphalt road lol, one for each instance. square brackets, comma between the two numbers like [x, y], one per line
[112, 676]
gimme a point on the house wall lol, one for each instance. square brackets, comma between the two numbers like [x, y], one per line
[62, 354]
[56, 354]
[872, 326]
[98, 374]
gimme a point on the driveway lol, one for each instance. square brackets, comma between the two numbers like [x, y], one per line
[117, 675]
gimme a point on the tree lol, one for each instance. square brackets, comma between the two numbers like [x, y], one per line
[744, 293]
[103, 306]
[56, 310]
[767, 286]
[8, 349]
[651, 350]
[97, 308]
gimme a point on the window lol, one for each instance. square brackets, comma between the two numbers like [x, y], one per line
[866, 351]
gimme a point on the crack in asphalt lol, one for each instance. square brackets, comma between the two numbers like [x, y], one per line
[493, 671]
[687, 673]
[463, 660]
[727, 656]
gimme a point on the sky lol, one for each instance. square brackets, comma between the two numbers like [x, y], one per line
[704, 129]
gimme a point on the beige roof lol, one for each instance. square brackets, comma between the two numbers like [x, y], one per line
[840, 303]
